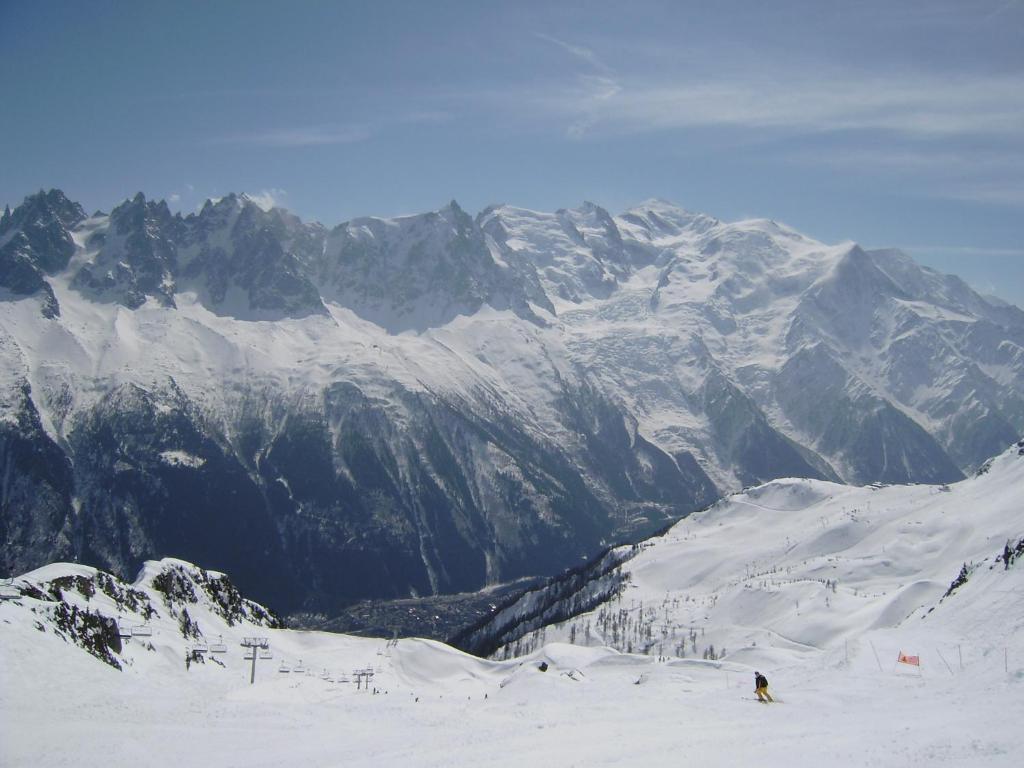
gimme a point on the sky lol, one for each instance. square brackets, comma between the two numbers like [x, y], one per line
[891, 123]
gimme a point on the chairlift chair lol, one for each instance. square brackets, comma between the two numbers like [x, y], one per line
[284, 668]
[299, 669]
[266, 653]
[200, 646]
[142, 630]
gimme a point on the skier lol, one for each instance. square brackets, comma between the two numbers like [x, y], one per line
[761, 688]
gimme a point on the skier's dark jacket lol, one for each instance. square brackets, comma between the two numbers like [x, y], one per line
[760, 681]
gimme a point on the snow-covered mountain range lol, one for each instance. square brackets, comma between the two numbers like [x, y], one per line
[821, 586]
[436, 402]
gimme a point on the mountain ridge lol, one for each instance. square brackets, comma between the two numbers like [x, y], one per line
[436, 402]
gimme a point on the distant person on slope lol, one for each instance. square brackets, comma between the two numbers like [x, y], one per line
[761, 688]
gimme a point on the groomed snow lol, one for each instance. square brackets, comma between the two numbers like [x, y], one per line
[734, 574]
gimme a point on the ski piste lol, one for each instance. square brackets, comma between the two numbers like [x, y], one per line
[900, 587]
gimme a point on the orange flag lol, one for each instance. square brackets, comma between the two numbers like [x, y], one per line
[914, 660]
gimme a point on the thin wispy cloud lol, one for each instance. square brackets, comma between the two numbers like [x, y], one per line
[938, 158]
[993, 176]
[927, 106]
[302, 136]
[756, 91]
[1009, 193]
[582, 53]
[963, 250]
[426, 117]
[335, 134]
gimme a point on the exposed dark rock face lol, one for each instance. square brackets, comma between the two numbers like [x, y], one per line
[148, 252]
[336, 503]
[747, 441]
[36, 487]
[152, 476]
[476, 400]
[35, 241]
[877, 442]
[138, 259]
[60, 600]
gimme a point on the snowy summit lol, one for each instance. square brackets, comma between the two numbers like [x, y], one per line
[438, 402]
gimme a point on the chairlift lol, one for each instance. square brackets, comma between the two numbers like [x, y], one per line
[201, 646]
[142, 630]
[250, 654]
[219, 646]
[284, 668]
[266, 653]
[124, 631]
[299, 669]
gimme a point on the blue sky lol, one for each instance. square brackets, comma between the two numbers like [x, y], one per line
[892, 124]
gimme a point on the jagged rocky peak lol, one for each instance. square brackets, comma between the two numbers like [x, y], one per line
[219, 208]
[35, 240]
[363, 465]
[41, 210]
[138, 213]
[232, 243]
[454, 214]
[413, 272]
[599, 232]
[591, 219]
[41, 228]
[235, 215]
[137, 257]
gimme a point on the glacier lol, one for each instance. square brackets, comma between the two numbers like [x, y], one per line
[434, 403]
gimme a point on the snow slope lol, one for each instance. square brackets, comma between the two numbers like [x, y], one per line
[800, 567]
[433, 403]
[736, 581]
